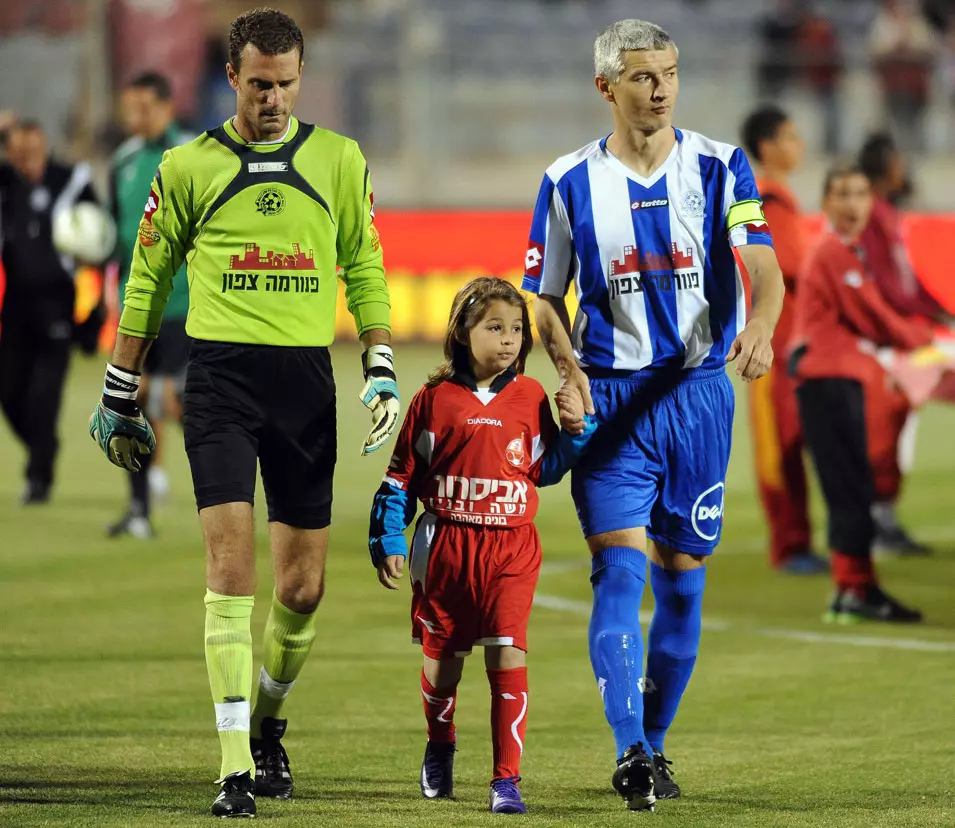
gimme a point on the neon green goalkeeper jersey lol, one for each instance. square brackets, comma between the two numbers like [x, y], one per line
[265, 231]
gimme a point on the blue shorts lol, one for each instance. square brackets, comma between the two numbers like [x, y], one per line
[658, 458]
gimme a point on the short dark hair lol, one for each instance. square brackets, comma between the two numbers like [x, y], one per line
[762, 125]
[158, 83]
[271, 32]
[876, 154]
[840, 169]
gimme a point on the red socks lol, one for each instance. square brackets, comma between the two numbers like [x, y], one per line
[508, 719]
[852, 571]
[439, 710]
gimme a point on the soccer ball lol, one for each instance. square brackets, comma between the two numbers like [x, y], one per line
[85, 231]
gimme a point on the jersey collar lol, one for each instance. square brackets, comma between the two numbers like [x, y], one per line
[466, 378]
[290, 133]
[658, 173]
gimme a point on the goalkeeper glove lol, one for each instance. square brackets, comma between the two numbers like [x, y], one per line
[117, 425]
[380, 394]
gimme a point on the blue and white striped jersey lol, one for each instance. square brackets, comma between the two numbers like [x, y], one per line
[656, 280]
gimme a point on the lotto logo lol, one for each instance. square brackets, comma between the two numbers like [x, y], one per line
[707, 515]
[533, 259]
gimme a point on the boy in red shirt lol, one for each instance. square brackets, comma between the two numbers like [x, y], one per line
[841, 318]
[476, 442]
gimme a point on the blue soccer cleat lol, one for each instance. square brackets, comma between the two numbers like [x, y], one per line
[437, 771]
[506, 797]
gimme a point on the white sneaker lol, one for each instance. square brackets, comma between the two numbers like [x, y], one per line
[158, 482]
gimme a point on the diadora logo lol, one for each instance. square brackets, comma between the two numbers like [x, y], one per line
[653, 202]
[707, 515]
[485, 421]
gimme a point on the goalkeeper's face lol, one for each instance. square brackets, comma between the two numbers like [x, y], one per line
[644, 95]
[267, 88]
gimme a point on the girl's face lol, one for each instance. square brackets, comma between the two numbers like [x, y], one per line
[848, 204]
[495, 342]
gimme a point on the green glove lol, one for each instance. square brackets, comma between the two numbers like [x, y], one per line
[117, 424]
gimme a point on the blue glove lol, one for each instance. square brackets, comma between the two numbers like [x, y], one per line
[117, 425]
[380, 394]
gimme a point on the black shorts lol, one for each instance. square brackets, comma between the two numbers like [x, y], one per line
[168, 356]
[274, 404]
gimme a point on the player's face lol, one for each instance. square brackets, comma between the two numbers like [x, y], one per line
[144, 114]
[786, 149]
[267, 87]
[28, 153]
[495, 342]
[848, 204]
[645, 93]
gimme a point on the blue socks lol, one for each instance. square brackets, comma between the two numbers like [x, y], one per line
[616, 641]
[673, 644]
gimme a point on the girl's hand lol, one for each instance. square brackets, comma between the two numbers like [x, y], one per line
[570, 405]
[390, 571]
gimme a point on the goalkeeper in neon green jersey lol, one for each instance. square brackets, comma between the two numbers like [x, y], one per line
[263, 210]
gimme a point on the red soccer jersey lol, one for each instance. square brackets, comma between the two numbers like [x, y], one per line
[474, 456]
[838, 307]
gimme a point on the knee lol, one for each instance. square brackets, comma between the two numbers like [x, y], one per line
[301, 595]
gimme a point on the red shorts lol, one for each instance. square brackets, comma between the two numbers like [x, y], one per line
[471, 586]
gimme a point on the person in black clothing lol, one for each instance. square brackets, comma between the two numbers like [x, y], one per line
[36, 320]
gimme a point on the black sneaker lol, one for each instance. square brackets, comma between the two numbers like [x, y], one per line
[136, 526]
[35, 493]
[869, 604]
[273, 778]
[895, 542]
[663, 785]
[437, 770]
[633, 779]
[236, 799]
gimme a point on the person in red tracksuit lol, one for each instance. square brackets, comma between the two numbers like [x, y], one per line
[841, 318]
[892, 422]
[772, 140]
[476, 443]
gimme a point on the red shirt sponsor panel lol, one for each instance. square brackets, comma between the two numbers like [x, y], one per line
[841, 314]
[471, 462]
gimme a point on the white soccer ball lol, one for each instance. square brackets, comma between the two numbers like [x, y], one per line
[85, 231]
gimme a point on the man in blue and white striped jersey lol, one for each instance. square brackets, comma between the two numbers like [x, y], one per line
[644, 222]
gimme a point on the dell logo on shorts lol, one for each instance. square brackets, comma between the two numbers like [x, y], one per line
[707, 513]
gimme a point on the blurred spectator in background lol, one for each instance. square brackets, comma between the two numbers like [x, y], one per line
[891, 421]
[772, 141]
[902, 46]
[778, 35]
[37, 313]
[149, 118]
[822, 64]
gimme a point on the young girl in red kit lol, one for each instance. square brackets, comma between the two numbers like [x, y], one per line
[476, 443]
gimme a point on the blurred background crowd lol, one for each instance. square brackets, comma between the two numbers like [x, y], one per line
[463, 103]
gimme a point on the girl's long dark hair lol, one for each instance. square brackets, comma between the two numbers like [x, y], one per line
[467, 310]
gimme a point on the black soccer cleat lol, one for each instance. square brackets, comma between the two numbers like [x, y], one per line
[895, 542]
[237, 798]
[273, 777]
[663, 785]
[869, 604]
[135, 526]
[437, 770]
[633, 778]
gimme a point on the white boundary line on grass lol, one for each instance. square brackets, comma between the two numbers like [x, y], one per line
[553, 602]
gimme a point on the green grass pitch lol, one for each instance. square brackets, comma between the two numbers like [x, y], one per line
[106, 720]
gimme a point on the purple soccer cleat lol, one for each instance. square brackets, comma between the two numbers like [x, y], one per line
[506, 797]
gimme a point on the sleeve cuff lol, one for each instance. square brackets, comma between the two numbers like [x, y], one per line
[372, 315]
[140, 323]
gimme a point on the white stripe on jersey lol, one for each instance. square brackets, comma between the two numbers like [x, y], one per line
[613, 227]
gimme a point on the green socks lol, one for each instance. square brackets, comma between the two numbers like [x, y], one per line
[288, 640]
[229, 661]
